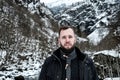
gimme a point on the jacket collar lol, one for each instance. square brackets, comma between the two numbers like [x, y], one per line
[81, 56]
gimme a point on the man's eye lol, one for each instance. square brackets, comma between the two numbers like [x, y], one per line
[63, 37]
[70, 36]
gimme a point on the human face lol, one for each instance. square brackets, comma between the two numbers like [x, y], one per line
[67, 38]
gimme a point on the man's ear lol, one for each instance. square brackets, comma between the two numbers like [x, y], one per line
[75, 38]
[58, 41]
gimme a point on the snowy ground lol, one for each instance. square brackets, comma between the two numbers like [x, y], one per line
[28, 75]
[117, 78]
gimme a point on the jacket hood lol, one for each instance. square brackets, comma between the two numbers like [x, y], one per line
[81, 56]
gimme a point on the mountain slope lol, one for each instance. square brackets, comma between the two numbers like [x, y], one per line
[90, 18]
[26, 36]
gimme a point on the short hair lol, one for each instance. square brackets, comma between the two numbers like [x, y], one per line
[66, 27]
[20, 77]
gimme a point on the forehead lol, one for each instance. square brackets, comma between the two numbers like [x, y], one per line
[68, 31]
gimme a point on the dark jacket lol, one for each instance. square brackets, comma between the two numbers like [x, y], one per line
[52, 67]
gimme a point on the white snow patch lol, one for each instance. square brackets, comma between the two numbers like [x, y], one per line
[54, 3]
[80, 39]
[116, 78]
[96, 36]
[113, 53]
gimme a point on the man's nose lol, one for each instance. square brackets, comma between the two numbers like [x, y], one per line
[67, 39]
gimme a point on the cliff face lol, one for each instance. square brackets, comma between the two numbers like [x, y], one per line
[26, 33]
[94, 20]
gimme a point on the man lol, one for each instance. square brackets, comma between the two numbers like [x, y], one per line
[67, 62]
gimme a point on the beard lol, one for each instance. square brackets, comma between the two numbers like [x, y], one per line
[67, 50]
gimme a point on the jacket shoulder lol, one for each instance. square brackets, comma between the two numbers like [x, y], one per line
[48, 60]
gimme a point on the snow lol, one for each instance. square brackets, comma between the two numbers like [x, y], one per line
[31, 72]
[80, 39]
[116, 78]
[110, 1]
[113, 53]
[34, 8]
[66, 16]
[2, 54]
[48, 1]
[98, 34]
[32, 23]
[47, 22]
[101, 15]
[30, 68]
[45, 10]
[53, 3]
